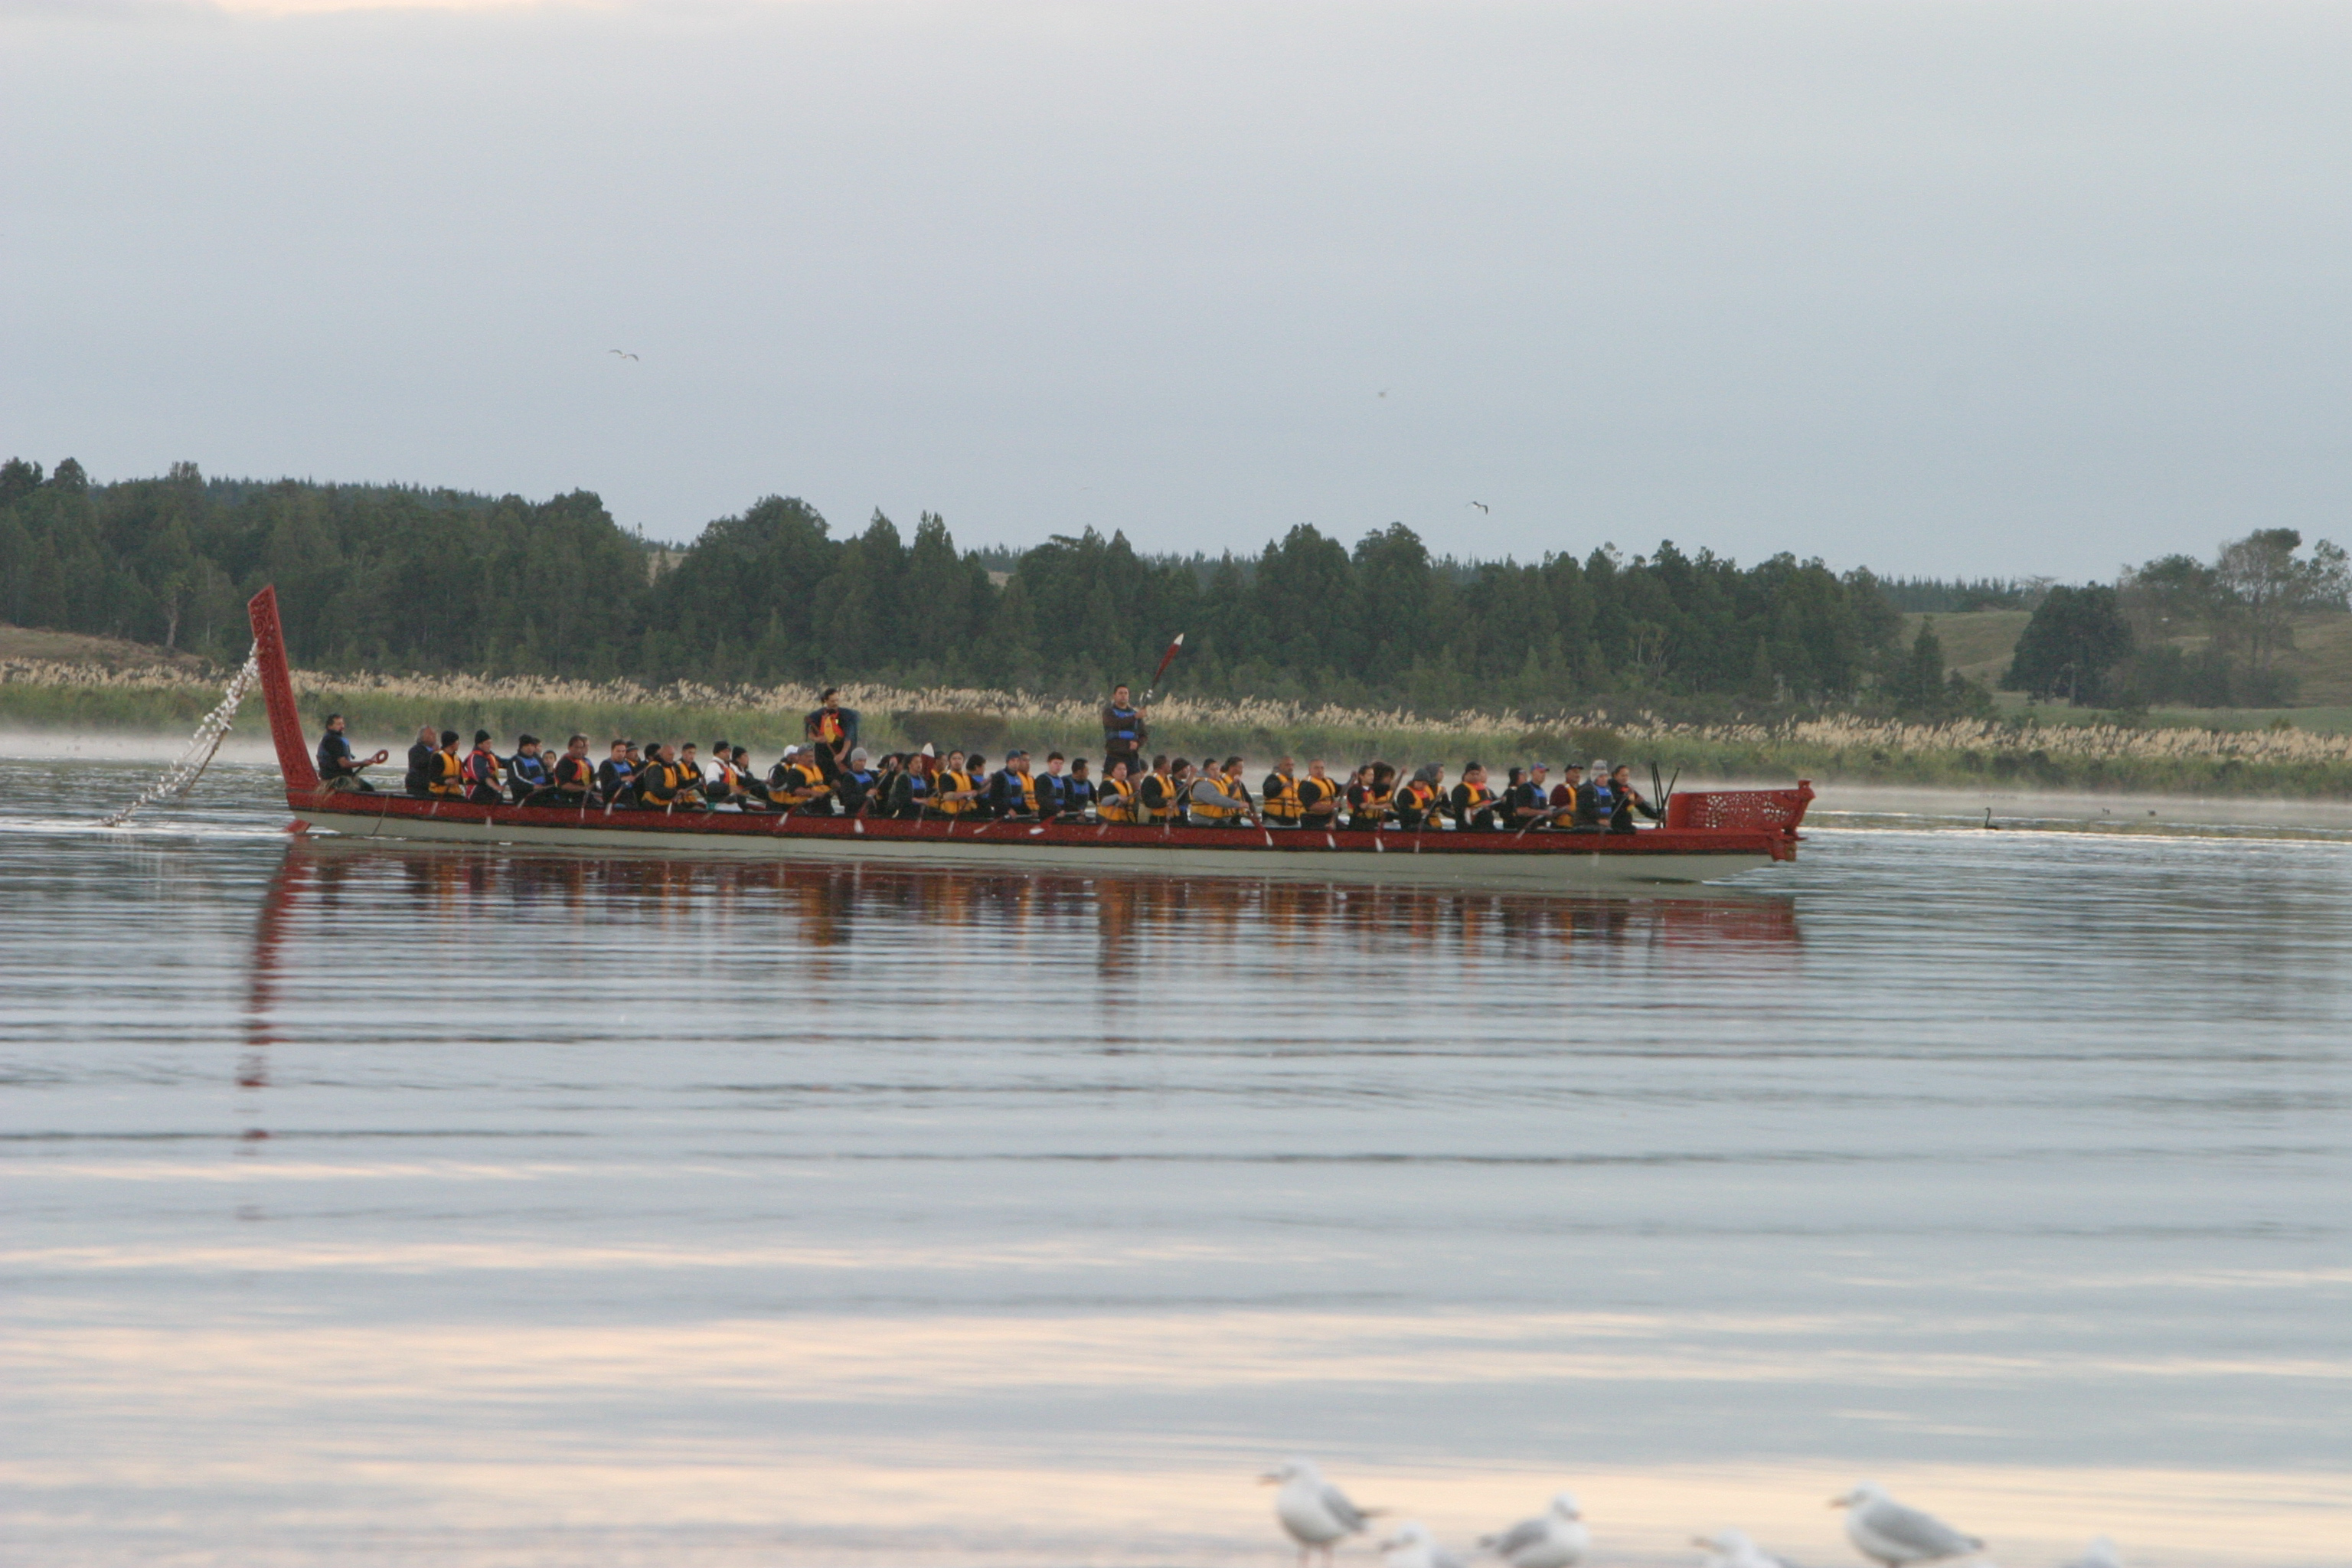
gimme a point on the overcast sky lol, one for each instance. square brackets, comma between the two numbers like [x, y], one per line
[1952, 289]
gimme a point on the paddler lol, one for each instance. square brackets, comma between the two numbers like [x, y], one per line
[1218, 798]
[1471, 804]
[446, 781]
[485, 774]
[337, 769]
[575, 775]
[528, 779]
[1279, 795]
[1418, 802]
[1114, 802]
[616, 779]
[420, 761]
[1318, 797]
[1155, 793]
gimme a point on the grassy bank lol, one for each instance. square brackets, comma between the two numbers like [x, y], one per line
[2009, 752]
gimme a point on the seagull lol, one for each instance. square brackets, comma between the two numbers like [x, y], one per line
[623, 352]
[2100, 1553]
[1384, 392]
[1482, 506]
[1316, 1513]
[1886, 1532]
[1555, 1539]
[1730, 1548]
[1412, 1547]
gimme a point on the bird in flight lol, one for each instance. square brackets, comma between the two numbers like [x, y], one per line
[1384, 392]
[623, 352]
[1482, 506]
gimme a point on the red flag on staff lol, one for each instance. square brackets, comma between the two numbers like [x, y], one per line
[1165, 660]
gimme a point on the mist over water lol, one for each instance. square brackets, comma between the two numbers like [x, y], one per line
[379, 1205]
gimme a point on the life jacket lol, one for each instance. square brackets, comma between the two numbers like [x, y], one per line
[859, 788]
[918, 785]
[1230, 805]
[1154, 797]
[729, 782]
[1378, 806]
[482, 768]
[657, 784]
[448, 777]
[1116, 802]
[687, 779]
[1313, 792]
[575, 773]
[1123, 731]
[825, 727]
[1077, 794]
[1281, 803]
[1603, 802]
[954, 781]
[528, 770]
[803, 782]
[1420, 802]
[1480, 799]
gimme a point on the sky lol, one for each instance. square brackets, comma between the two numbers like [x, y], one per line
[1960, 289]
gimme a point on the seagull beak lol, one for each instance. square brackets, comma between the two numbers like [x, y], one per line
[1702, 1541]
[1841, 1503]
[1269, 1479]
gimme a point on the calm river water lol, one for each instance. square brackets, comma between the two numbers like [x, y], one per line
[371, 1205]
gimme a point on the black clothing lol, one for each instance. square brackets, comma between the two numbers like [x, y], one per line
[1466, 812]
[855, 787]
[615, 781]
[1124, 732]
[420, 768]
[1523, 803]
[526, 778]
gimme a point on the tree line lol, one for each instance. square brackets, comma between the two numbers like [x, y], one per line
[389, 578]
[2181, 630]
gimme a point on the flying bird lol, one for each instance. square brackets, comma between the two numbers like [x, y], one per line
[1889, 1534]
[1555, 1538]
[1482, 506]
[1384, 392]
[623, 352]
[1313, 1511]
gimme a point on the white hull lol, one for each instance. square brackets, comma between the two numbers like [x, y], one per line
[1403, 866]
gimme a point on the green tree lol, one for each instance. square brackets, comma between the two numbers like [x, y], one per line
[2077, 636]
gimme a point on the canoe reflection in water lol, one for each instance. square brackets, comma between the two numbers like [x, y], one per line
[675, 903]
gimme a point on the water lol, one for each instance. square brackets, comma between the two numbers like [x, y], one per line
[378, 1206]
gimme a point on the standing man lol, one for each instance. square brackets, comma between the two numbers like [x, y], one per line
[1124, 732]
[337, 769]
[830, 734]
[420, 761]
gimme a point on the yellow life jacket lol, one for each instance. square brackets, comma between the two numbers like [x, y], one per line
[1230, 805]
[1148, 810]
[1282, 803]
[1423, 798]
[952, 781]
[1481, 797]
[803, 782]
[1313, 792]
[1114, 802]
[448, 779]
[1380, 804]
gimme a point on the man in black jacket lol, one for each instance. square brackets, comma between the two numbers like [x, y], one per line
[420, 761]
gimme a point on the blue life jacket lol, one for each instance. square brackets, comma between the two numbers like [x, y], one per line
[1053, 794]
[1604, 799]
[528, 770]
[1077, 794]
[1125, 731]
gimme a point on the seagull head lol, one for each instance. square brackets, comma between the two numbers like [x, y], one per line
[1413, 1532]
[1864, 1493]
[1287, 1471]
[1564, 1504]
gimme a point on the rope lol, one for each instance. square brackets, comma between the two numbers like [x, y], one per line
[181, 776]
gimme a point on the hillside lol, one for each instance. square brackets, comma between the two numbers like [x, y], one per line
[1978, 645]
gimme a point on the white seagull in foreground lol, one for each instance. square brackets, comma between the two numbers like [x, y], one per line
[1316, 1513]
[1729, 1548]
[1556, 1539]
[1413, 1547]
[2100, 1553]
[1885, 1531]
